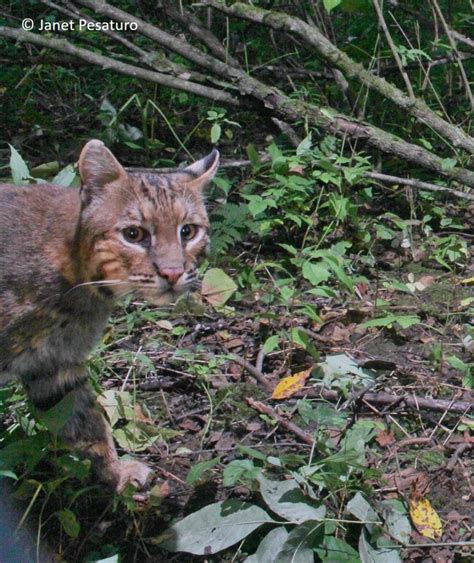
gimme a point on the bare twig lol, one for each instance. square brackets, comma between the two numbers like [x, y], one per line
[387, 179]
[123, 68]
[339, 59]
[382, 398]
[290, 426]
[393, 48]
[452, 42]
[254, 372]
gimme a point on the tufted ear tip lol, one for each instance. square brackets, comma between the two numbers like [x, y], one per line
[98, 166]
[202, 171]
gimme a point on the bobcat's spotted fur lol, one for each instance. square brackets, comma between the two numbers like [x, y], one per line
[66, 255]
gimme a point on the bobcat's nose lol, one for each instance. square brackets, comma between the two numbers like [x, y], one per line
[171, 275]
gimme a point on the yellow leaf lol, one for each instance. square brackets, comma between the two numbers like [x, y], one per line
[288, 386]
[468, 281]
[425, 518]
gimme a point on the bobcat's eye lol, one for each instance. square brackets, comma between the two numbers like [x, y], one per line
[134, 234]
[188, 232]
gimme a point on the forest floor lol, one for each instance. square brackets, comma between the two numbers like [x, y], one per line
[189, 370]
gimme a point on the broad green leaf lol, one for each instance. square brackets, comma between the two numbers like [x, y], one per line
[239, 469]
[286, 499]
[136, 436]
[18, 166]
[216, 131]
[304, 146]
[6, 473]
[448, 164]
[397, 522]
[69, 522]
[253, 155]
[217, 287]
[55, 418]
[362, 510]
[65, 177]
[199, 469]
[271, 344]
[315, 273]
[271, 544]
[405, 321]
[213, 528]
[331, 4]
[340, 370]
[338, 550]
[381, 555]
[251, 452]
[300, 544]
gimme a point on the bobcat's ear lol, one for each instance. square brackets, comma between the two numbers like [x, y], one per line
[202, 171]
[97, 167]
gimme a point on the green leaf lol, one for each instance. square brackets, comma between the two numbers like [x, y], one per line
[199, 469]
[304, 146]
[338, 550]
[382, 555]
[55, 418]
[271, 344]
[331, 4]
[217, 287]
[397, 522]
[286, 499]
[300, 544]
[448, 164]
[404, 321]
[315, 273]
[69, 522]
[238, 470]
[253, 155]
[216, 131]
[65, 177]
[213, 528]
[6, 473]
[18, 166]
[271, 544]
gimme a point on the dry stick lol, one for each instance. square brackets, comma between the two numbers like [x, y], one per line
[384, 178]
[197, 29]
[290, 426]
[382, 398]
[293, 111]
[123, 68]
[465, 79]
[391, 44]
[149, 58]
[387, 179]
[272, 98]
[337, 58]
[254, 372]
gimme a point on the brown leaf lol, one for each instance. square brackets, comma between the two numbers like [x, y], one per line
[385, 438]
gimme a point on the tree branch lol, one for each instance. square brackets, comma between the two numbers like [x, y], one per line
[64, 46]
[352, 69]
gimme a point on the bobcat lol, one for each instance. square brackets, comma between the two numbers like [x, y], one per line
[66, 255]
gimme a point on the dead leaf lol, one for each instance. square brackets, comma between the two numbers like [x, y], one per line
[288, 386]
[425, 518]
[217, 287]
[385, 438]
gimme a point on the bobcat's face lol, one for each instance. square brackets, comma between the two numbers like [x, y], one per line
[142, 233]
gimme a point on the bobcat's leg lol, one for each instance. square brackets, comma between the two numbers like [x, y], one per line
[86, 429]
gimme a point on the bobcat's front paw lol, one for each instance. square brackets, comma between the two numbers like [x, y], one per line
[134, 472]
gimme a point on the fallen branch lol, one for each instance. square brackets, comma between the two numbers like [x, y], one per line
[64, 46]
[254, 372]
[382, 398]
[388, 179]
[351, 69]
[282, 421]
